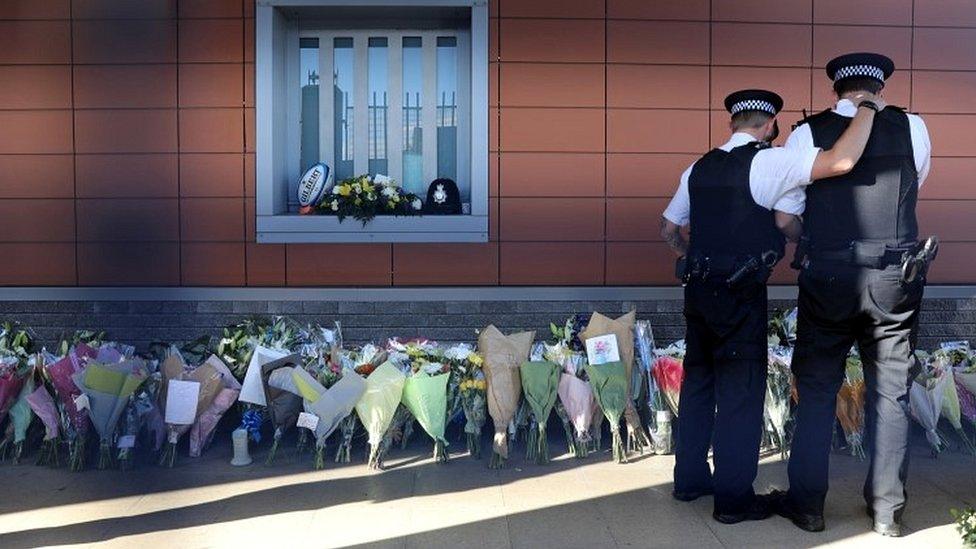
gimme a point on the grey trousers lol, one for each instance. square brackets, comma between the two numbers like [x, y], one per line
[840, 305]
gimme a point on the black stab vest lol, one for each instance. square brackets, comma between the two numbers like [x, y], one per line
[725, 219]
[875, 202]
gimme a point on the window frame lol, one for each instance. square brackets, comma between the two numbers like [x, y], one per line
[278, 133]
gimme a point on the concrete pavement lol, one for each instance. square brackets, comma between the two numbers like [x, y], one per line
[570, 503]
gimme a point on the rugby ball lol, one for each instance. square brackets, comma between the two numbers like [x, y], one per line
[314, 184]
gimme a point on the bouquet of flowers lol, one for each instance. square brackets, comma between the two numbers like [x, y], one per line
[503, 355]
[576, 406]
[108, 387]
[91, 339]
[577, 399]
[329, 406]
[141, 414]
[284, 400]
[610, 382]
[364, 197]
[42, 404]
[466, 371]
[623, 329]
[850, 404]
[239, 342]
[74, 419]
[425, 395]
[202, 431]
[782, 329]
[659, 425]
[951, 401]
[779, 387]
[540, 384]
[364, 361]
[253, 397]
[20, 420]
[384, 388]
[184, 395]
[925, 401]
[668, 372]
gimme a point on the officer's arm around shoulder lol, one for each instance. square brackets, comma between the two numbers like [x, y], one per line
[847, 150]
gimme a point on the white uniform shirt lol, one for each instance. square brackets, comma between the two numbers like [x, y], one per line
[774, 179]
[802, 137]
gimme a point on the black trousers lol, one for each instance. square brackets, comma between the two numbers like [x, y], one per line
[722, 395]
[840, 305]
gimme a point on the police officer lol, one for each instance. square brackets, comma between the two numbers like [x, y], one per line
[859, 235]
[738, 198]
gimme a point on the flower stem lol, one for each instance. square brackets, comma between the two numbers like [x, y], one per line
[531, 444]
[440, 451]
[77, 454]
[168, 457]
[375, 461]
[618, 446]
[104, 454]
[496, 461]
[320, 457]
[542, 454]
[273, 452]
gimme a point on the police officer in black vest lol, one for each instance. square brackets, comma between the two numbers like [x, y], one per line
[738, 199]
[863, 272]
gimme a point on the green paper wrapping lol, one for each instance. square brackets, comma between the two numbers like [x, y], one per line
[540, 385]
[384, 387]
[610, 382]
[426, 398]
[623, 328]
[20, 413]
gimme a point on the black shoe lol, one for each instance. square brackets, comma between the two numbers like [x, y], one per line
[761, 509]
[803, 521]
[691, 496]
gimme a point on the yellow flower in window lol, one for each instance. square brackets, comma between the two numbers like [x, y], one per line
[344, 190]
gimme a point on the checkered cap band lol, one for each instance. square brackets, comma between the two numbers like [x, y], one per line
[859, 70]
[753, 105]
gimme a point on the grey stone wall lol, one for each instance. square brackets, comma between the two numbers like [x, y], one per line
[140, 322]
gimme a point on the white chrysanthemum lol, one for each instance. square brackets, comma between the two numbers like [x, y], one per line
[417, 204]
[458, 352]
[382, 179]
[335, 205]
[389, 192]
[335, 190]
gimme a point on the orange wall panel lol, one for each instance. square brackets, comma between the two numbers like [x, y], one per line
[866, 12]
[339, 264]
[549, 174]
[780, 11]
[128, 132]
[126, 175]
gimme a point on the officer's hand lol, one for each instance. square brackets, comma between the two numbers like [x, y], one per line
[877, 99]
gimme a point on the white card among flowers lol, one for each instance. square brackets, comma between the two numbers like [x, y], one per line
[602, 349]
[181, 402]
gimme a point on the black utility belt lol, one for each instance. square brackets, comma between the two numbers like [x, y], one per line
[736, 271]
[870, 255]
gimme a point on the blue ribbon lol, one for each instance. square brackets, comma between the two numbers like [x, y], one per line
[251, 421]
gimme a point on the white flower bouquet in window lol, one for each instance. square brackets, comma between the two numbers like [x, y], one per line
[365, 197]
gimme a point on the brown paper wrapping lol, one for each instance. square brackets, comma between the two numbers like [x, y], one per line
[503, 356]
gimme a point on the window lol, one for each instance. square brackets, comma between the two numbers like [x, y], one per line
[398, 91]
